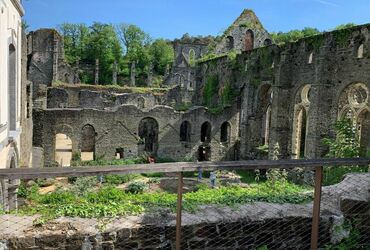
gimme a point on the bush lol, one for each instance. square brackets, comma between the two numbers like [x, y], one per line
[137, 187]
[83, 185]
[120, 179]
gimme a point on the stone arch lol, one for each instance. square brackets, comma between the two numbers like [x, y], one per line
[205, 133]
[230, 42]
[8, 192]
[12, 87]
[267, 42]
[225, 132]
[363, 125]
[310, 58]
[192, 57]
[148, 133]
[360, 51]
[263, 113]
[300, 132]
[249, 40]
[63, 149]
[185, 131]
[88, 136]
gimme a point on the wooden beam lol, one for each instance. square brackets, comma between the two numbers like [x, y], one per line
[32, 173]
[179, 210]
[316, 208]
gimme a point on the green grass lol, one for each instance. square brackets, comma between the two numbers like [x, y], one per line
[334, 175]
[113, 88]
[110, 201]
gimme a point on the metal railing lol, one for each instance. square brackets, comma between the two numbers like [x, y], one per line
[314, 165]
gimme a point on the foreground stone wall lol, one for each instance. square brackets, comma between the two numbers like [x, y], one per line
[275, 226]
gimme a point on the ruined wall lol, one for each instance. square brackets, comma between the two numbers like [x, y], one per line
[25, 156]
[119, 128]
[309, 74]
[46, 63]
[245, 34]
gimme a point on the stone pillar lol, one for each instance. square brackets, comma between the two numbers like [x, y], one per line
[115, 70]
[280, 133]
[133, 74]
[55, 58]
[319, 117]
[96, 78]
[150, 75]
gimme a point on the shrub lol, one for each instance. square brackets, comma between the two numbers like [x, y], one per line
[83, 185]
[137, 187]
[120, 179]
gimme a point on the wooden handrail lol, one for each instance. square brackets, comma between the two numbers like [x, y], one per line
[177, 167]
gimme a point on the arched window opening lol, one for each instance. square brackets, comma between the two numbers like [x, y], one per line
[12, 86]
[63, 150]
[148, 133]
[204, 153]
[249, 40]
[310, 58]
[185, 131]
[206, 132]
[267, 42]
[225, 132]
[192, 57]
[88, 143]
[364, 132]
[360, 51]
[266, 126]
[230, 42]
[120, 153]
[300, 137]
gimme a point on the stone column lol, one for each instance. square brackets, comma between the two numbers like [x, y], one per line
[96, 78]
[115, 70]
[133, 74]
[150, 75]
[55, 58]
[280, 133]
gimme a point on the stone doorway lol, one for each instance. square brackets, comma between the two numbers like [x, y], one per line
[148, 133]
[63, 150]
[204, 153]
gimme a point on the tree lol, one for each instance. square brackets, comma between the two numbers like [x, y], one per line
[161, 54]
[131, 37]
[104, 45]
[294, 35]
[345, 26]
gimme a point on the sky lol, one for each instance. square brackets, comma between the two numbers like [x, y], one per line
[172, 18]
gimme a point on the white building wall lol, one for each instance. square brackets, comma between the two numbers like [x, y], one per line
[11, 13]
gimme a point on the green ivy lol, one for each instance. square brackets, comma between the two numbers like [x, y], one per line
[210, 90]
[342, 37]
[315, 41]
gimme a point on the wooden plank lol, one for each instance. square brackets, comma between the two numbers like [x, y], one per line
[316, 208]
[31, 173]
[179, 210]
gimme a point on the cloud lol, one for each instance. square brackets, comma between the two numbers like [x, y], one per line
[324, 2]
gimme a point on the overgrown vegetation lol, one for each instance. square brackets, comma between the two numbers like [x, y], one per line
[112, 45]
[111, 201]
[114, 88]
[295, 35]
[345, 145]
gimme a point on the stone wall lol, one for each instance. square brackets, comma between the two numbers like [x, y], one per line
[119, 128]
[310, 74]
[249, 226]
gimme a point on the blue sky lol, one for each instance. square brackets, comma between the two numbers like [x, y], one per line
[172, 18]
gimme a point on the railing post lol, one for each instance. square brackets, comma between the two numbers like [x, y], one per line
[316, 208]
[179, 211]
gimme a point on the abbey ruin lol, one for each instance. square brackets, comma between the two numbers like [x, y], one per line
[250, 93]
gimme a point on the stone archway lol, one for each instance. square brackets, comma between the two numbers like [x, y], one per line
[148, 133]
[12, 87]
[249, 40]
[225, 132]
[363, 123]
[63, 150]
[185, 131]
[88, 143]
[204, 153]
[205, 133]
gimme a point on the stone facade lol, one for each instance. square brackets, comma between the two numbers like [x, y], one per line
[245, 34]
[46, 63]
[15, 101]
[118, 131]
